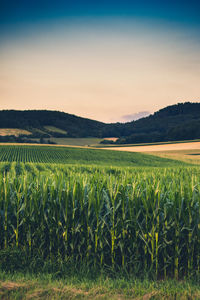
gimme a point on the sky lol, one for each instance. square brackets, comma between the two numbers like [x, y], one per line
[112, 61]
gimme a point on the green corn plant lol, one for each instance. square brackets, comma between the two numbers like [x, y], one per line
[5, 189]
[113, 189]
[138, 218]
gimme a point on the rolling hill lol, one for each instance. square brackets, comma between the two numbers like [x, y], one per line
[50, 123]
[172, 123]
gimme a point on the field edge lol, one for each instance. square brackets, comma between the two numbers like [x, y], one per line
[43, 286]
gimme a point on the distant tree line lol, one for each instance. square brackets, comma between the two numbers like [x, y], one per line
[173, 123]
[24, 139]
[176, 122]
[37, 119]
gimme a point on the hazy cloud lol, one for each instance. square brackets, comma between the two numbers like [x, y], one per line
[136, 116]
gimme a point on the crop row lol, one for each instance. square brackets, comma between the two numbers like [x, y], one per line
[67, 155]
[137, 219]
[33, 154]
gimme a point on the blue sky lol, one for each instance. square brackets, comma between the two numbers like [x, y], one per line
[23, 11]
[106, 60]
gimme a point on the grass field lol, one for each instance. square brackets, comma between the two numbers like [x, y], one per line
[123, 219]
[82, 286]
[92, 142]
[13, 131]
[77, 141]
[188, 156]
[55, 129]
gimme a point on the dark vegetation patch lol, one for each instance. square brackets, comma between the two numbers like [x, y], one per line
[173, 123]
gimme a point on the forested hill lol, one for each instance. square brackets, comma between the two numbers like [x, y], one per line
[176, 122]
[38, 122]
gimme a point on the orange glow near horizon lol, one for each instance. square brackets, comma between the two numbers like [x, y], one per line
[99, 74]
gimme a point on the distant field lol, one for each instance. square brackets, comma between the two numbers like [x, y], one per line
[113, 139]
[67, 155]
[94, 142]
[158, 147]
[188, 152]
[189, 156]
[13, 131]
[77, 141]
[146, 144]
[55, 129]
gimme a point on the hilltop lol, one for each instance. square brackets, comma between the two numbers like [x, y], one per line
[50, 123]
[176, 122]
[172, 123]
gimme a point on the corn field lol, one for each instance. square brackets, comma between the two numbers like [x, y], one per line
[70, 155]
[33, 154]
[133, 218]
